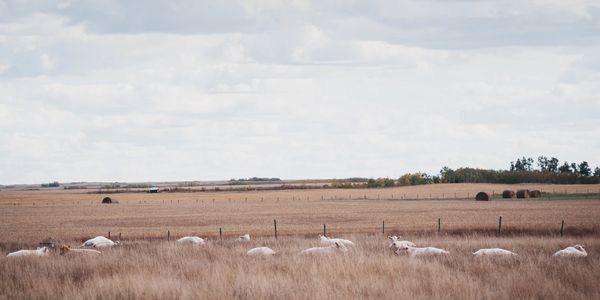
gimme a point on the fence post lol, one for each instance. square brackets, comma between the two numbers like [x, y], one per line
[383, 227]
[168, 235]
[109, 235]
[275, 225]
[220, 233]
[562, 225]
[439, 225]
[324, 230]
[499, 224]
[119, 236]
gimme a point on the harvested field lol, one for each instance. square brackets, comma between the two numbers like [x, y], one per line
[68, 215]
[147, 266]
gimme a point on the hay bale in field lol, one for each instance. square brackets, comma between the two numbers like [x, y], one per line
[108, 200]
[482, 196]
[508, 194]
[535, 194]
[523, 194]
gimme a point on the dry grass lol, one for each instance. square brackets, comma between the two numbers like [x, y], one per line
[144, 216]
[142, 270]
[146, 266]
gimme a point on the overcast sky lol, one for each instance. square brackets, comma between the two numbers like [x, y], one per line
[202, 90]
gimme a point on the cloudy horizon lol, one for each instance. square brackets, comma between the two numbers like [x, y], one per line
[141, 91]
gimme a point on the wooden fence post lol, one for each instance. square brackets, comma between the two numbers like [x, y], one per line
[324, 230]
[168, 235]
[562, 225]
[109, 235]
[499, 224]
[439, 225]
[220, 233]
[383, 227]
[119, 236]
[275, 226]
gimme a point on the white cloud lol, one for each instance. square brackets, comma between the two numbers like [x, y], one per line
[301, 89]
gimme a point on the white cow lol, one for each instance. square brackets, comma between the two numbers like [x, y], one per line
[574, 251]
[260, 251]
[244, 238]
[64, 249]
[192, 240]
[330, 241]
[493, 252]
[43, 251]
[417, 252]
[336, 247]
[397, 243]
[99, 242]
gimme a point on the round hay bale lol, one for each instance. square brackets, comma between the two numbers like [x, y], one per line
[535, 194]
[523, 194]
[508, 194]
[482, 196]
[107, 200]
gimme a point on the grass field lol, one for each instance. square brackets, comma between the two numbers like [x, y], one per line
[162, 270]
[147, 266]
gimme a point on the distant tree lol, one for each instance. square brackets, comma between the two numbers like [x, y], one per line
[597, 172]
[404, 180]
[528, 163]
[371, 183]
[446, 175]
[565, 168]
[574, 168]
[522, 164]
[584, 169]
[543, 163]
[387, 182]
[553, 164]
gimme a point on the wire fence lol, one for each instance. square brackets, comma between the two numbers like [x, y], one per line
[438, 227]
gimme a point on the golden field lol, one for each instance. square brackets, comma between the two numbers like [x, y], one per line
[29, 216]
[147, 266]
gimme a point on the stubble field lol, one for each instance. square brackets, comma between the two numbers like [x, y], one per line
[147, 266]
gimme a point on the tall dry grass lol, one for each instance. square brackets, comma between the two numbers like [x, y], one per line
[221, 270]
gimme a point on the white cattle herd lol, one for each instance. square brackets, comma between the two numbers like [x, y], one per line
[329, 246]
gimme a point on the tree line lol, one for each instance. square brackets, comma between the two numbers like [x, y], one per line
[522, 170]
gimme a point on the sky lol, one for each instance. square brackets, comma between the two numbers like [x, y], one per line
[210, 90]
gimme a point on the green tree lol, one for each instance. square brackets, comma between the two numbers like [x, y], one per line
[371, 183]
[522, 164]
[404, 180]
[543, 163]
[565, 168]
[387, 182]
[584, 169]
[447, 175]
[553, 164]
